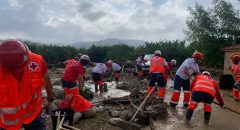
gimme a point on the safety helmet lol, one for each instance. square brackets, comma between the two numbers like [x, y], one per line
[109, 63]
[13, 55]
[157, 52]
[174, 61]
[206, 73]
[78, 56]
[197, 55]
[84, 60]
[235, 57]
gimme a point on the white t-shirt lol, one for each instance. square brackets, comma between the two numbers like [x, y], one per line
[100, 68]
[116, 67]
[192, 68]
[139, 60]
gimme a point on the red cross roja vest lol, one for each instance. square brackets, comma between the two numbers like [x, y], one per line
[236, 72]
[21, 103]
[157, 65]
[205, 84]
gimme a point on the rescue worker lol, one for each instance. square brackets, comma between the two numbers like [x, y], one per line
[140, 60]
[97, 74]
[171, 65]
[204, 89]
[22, 75]
[116, 70]
[158, 67]
[182, 79]
[236, 74]
[74, 71]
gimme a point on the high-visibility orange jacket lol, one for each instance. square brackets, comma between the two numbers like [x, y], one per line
[206, 84]
[157, 65]
[236, 72]
[21, 102]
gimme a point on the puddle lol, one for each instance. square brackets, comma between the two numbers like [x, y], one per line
[112, 91]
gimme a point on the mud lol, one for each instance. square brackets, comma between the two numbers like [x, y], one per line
[221, 119]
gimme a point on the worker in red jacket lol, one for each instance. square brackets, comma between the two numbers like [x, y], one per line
[74, 71]
[22, 75]
[236, 74]
[204, 89]
[158, 67]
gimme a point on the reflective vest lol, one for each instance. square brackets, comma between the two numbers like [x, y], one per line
[21, 102]
[205, 84]
[236, 72]
[157, 65]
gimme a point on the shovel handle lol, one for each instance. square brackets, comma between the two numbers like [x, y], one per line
[230, 109]
[142, 103]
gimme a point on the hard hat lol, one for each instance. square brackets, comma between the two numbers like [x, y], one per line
[206, 73]
[235, 57]
[197, 55]
[157, 52]
[85, 57]
[174, 61]
[13, 55]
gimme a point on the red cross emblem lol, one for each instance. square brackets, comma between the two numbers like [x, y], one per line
[33, 66]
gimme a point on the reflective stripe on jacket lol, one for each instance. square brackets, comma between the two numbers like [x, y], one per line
[205, 84]
[157, 65]
[21, 102]
[236, 72]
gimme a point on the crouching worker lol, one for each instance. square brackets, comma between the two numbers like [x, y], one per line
[22, 75]
[116, 68]
[97, 74]
[158, 67]
[74, 71]
[204, 89]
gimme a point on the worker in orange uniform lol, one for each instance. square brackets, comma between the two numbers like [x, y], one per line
[204, 89]
[236, 74]
[74, 71]
[158, 67]
[171, 65]
[182, 78]
[22, 75]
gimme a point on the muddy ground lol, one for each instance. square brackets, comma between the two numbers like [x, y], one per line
[221, 119]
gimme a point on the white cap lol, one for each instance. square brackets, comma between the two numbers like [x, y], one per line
[174, 61]
[85, 57]
[158, 52]
[206, 73]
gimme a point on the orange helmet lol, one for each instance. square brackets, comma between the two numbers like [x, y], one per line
[235, 57]
[13, 55]
[197, 55]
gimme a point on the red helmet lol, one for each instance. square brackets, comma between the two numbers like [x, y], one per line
[197, 55]
[13, 55]
[235, 57]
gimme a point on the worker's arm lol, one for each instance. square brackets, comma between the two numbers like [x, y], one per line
[186, 71]
[218, 95]
[48, 86]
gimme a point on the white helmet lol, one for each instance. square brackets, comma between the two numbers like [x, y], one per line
[157, 52]
[85, 57]
[206, 73]
[174, 61]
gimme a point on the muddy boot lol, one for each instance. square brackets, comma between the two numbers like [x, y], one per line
[185, 105]
[101, 88]
[188, 116]
[207, 117]
[96, 88]
[105, 89]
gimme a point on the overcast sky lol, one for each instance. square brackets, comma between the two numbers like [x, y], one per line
[69, 21]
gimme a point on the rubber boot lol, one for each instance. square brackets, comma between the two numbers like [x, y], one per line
[149, 89]
[207, 117]
[96, 88]
[189, 115]
[105, 89]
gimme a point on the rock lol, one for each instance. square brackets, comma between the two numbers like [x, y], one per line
[99, 109]
[76, 118]
[115, 113]
[89, 113]
[124, 124]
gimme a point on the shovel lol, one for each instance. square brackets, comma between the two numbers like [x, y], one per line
[230, 109]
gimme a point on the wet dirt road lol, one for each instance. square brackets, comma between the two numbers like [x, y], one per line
[221, 119]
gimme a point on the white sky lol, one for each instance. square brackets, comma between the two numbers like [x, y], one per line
[68, 21]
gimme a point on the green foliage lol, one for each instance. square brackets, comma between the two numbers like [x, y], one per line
[213, 28]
